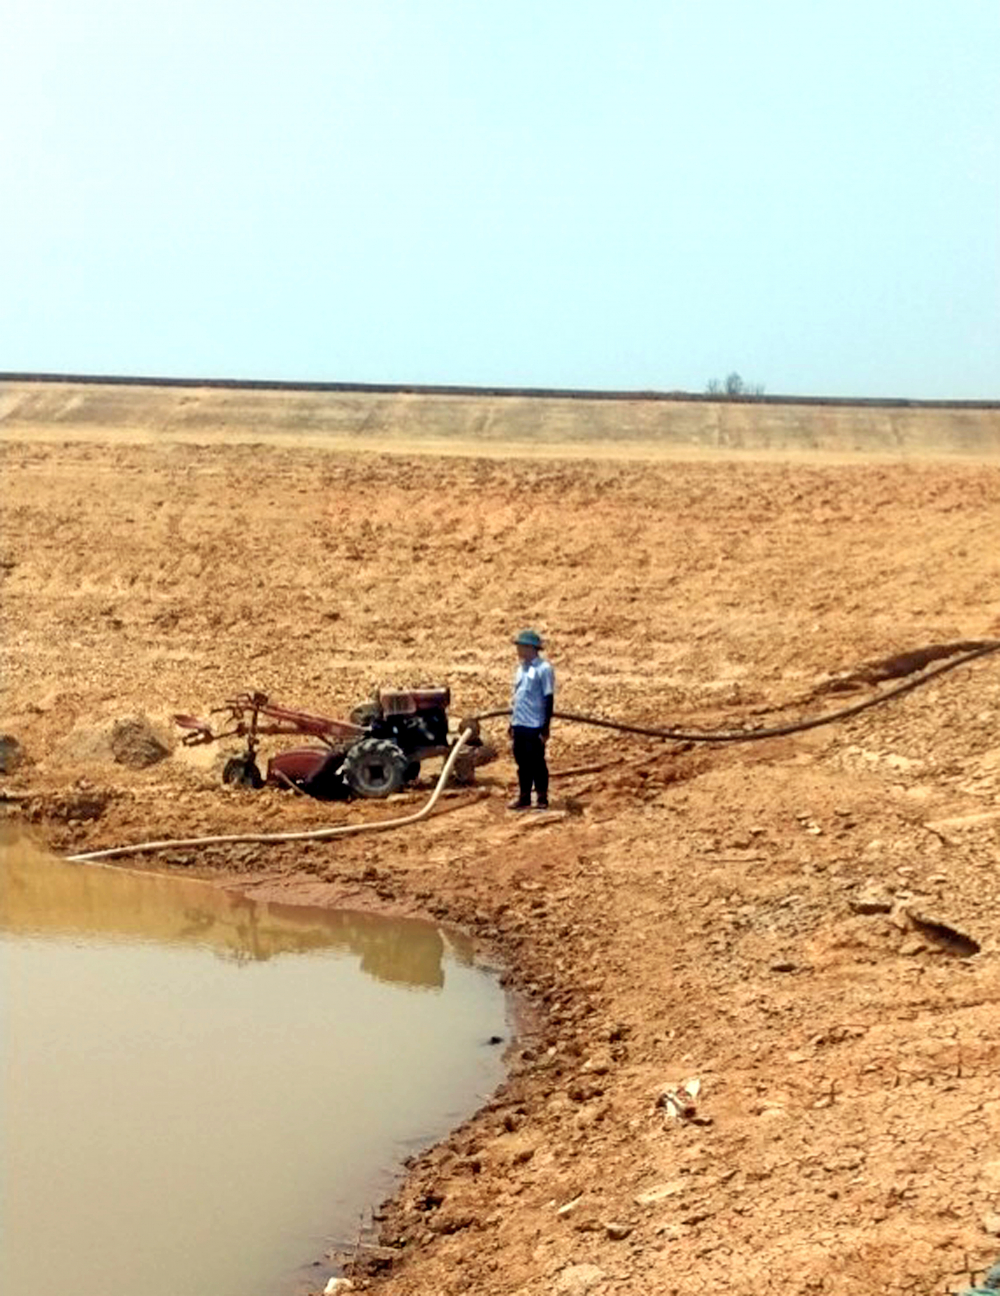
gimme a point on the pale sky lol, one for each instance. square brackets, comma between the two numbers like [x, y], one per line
[639, 194]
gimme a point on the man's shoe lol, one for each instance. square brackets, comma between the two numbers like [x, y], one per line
[519, 805]
[542, 805]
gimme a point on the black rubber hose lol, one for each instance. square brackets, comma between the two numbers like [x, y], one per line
[774, 731]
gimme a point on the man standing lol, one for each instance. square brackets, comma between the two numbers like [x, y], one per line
[531, 715]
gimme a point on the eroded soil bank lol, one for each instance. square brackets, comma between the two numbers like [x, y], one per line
[766, 919]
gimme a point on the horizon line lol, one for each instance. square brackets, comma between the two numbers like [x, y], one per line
[502, 392]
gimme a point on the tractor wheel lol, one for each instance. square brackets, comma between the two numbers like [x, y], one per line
[375, 767]
[364, 714]
[242, 771]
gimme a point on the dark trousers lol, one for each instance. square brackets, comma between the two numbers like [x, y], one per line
[532, 771]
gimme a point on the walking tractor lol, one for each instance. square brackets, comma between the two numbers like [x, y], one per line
[373, 754]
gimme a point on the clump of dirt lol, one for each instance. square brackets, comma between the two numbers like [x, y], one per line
[80, 804]
[134, 743]
[11, 754]
[129, 740]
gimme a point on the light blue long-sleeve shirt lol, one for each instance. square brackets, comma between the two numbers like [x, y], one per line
[534, 681]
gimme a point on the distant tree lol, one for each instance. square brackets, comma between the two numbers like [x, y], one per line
[733, 385]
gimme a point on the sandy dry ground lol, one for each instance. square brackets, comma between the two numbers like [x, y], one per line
[749, 916]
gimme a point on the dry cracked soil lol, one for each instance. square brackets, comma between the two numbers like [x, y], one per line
[805, 926]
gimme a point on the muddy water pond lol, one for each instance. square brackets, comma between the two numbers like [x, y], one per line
[200, 1093]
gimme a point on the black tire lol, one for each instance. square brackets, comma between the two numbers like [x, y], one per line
[365, 713]
[375, 768]
[242, 771]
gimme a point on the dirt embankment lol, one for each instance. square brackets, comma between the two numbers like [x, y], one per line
[794, 923]
[496, 424]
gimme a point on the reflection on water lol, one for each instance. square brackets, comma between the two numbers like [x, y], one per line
[63, 899]
[200, 1092]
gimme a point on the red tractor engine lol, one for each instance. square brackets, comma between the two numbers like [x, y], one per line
[373, 754]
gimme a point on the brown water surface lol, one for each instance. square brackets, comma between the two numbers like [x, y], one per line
[201, 1093]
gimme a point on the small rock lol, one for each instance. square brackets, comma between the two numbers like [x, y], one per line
[912, 946]
[991, 1223]
[337, 1286]
[870, 902]
[578, 1279]
[783, 965]
[451, 1221]
[617, 1232]
[652, 1196]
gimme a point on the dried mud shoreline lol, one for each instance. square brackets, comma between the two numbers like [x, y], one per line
[772, 920]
